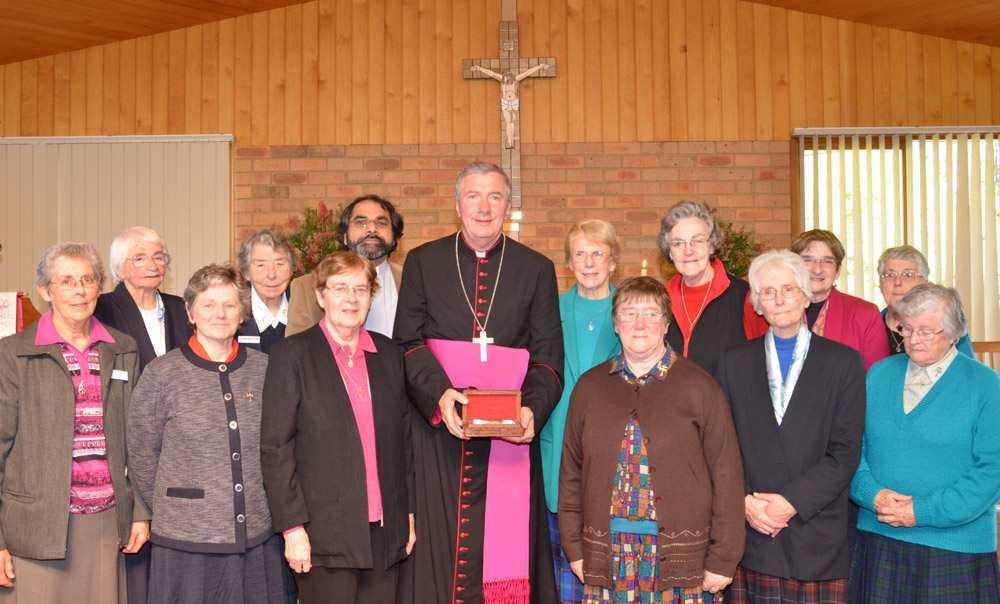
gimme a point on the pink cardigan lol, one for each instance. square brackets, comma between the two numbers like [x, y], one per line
[858, 324]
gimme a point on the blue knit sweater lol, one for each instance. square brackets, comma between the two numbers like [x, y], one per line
[945, 453]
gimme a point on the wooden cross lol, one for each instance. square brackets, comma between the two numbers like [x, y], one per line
[482, 340]
[509, 70]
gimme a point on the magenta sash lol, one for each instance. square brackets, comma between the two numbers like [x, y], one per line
[508, 481]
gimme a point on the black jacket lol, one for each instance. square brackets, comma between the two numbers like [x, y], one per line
[809, 459]
[117, 309]
[311, 454]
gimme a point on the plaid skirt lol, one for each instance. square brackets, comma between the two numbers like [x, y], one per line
[570, 588]
[750, 587]
[885, 570]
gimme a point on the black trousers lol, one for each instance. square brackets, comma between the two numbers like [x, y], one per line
[324, 585]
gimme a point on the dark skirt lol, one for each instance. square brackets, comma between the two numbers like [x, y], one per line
[253, 577]
[751, 587]
[885, 570]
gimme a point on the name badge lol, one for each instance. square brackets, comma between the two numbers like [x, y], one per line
[118, 374]
[248, 339]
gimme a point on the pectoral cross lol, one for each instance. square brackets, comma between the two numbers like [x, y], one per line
[482, 340]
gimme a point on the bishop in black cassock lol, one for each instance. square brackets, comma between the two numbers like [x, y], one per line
[451, 474]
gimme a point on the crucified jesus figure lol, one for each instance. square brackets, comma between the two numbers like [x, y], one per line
[509, 101]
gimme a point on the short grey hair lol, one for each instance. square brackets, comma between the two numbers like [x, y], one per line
[269, 237]
[81, 251]
[931, 298]
[771, 260]
[482, 167]
[907, 253]
[124, 241]
[689, 209]
[208, 277]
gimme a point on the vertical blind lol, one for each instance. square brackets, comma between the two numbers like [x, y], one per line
[935, 189]
[90, 189]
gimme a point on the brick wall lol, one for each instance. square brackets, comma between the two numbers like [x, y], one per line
[627, 184]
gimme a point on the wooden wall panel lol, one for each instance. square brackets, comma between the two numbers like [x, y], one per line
[389, 72]
[309, 78]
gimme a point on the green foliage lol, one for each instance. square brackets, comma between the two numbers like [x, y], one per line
[739, 248]
[314, 236]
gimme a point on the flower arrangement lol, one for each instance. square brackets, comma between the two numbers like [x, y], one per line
[313, 236]
[739, 248]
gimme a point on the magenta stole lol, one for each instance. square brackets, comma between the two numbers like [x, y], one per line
[508, 482]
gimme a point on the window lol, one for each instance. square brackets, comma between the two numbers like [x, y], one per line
[936, 190]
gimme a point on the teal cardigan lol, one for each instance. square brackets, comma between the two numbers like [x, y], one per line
[945, 453]
[551, 437]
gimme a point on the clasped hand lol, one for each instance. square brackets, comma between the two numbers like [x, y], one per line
[767, 513]
[895, 509]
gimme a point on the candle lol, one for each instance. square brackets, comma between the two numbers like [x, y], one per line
[643, 273]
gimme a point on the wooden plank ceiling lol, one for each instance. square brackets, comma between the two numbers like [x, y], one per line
[976, 21]
[37, 28]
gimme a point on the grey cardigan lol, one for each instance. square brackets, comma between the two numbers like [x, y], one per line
[36, 441]
[194, 442]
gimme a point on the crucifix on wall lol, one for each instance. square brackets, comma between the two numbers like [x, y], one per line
[510, 69]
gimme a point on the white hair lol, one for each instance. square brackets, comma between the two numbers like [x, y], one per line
[931, 298]
[124, 241]
[769, 261]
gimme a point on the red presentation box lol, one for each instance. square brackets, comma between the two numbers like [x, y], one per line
[492, 413]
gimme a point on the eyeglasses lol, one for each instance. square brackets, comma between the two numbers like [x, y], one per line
[825, 261]
[67, 283]
[787, 291]
[597, 257]
[362, 223]
[696, 243]
[651, 317]
[341, 290]
[924, 334]
[905, 276]
[142, 260]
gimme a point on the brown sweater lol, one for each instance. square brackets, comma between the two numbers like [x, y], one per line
[695, 466]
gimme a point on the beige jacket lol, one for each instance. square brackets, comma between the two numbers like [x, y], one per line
[304, 310]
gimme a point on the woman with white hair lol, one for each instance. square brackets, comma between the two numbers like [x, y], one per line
[266, 260]
[798, 402]
[157, 321]
[930, 468]
[899, 270]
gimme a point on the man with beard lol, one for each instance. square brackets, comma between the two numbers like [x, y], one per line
[369, 227]
[478, 309]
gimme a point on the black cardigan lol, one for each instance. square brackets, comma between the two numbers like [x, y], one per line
[117, 309]
[311, 454]
[719, 327]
